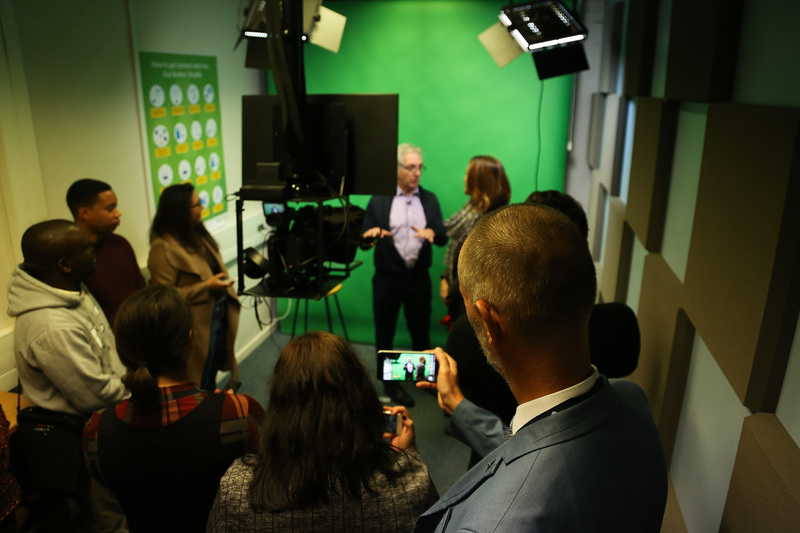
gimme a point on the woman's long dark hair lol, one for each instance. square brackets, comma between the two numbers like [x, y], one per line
[322, 430]
[174, 217]
[152, 330]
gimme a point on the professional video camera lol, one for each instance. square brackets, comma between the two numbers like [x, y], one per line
[309, 150]
[295, 265]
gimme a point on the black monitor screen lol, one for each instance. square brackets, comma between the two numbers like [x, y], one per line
[350, 136]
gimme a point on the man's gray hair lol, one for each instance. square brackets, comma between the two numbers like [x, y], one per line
[404, 148]
[532, 265]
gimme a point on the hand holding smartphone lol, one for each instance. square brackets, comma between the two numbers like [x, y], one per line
[394, 423]
[399, 429]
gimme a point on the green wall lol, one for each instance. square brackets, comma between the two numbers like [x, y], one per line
[454, 102]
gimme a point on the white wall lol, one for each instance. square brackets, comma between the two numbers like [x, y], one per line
[578, 170]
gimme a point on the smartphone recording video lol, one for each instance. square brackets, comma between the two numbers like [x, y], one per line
[393, 422]
[396, 365]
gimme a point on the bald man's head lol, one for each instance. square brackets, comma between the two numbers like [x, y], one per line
[57, 249]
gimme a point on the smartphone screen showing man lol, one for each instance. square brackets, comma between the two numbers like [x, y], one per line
[398, 365]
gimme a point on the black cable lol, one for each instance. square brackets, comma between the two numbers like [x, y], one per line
[261, 323]
[539, 137]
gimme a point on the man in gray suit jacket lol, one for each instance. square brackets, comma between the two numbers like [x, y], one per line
[585, 454]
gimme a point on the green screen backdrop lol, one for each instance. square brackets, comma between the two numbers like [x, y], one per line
[455, 103]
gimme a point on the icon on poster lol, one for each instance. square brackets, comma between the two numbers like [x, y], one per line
[161, 136]
[193, 94]
[200, 166]
[176, 94]
[197, 130]
[184, 170]
[208, 93]
[211, 128]
[217, 195]
[156, 96]
[213, 162]
[180, 133]
[165, 175]
[204, 199]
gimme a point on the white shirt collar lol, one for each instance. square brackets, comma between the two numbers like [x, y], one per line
[530, 410]
[401, 192]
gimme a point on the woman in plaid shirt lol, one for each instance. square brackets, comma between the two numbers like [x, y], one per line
[163, 451]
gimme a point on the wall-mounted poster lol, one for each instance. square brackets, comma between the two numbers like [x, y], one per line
[183, 122]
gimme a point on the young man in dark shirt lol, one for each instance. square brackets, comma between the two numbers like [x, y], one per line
[94, 208]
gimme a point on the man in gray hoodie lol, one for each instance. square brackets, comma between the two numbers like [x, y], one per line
[63, 344]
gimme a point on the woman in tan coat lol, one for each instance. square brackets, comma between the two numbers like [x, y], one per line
[185, 255]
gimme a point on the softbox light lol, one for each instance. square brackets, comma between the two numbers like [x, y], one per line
[550, 32]
[320, 26]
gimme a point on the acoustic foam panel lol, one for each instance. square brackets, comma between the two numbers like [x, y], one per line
[640, 45]
[612, 144]
[598, 201]
[616, 254]
[764, 492]
[703, 48]
[613, 22]
[742, 278]
[597, 117]
[667, 338]
[673, 517]
[651, 165]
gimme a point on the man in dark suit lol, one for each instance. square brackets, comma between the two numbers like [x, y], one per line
[404, 227]
[614, 344]
[584, 454]
[409, 367]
